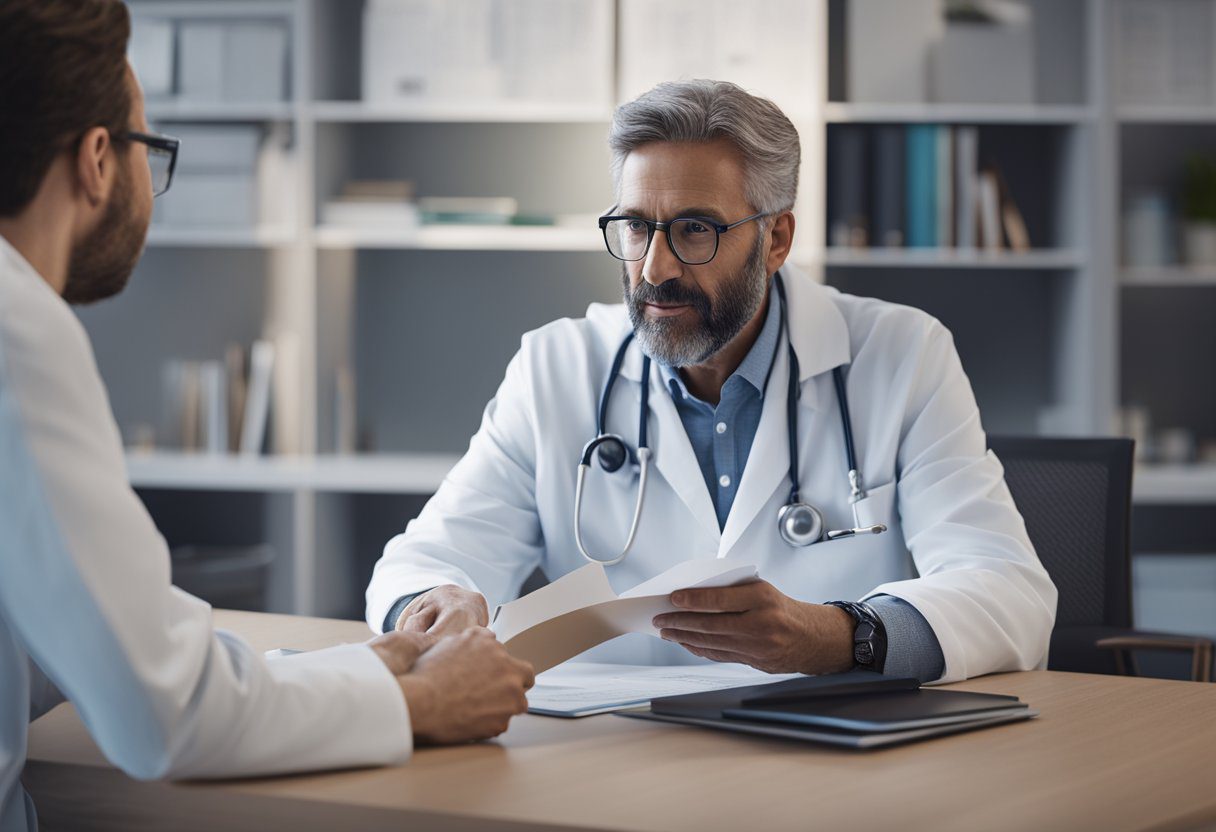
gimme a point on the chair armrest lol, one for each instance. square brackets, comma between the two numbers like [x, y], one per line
[1200, 648]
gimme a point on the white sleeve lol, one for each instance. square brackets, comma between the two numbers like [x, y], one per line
[981, 586]
[480, 530]
[85, 586]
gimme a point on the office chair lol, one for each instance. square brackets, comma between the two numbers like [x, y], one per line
[1075, 496]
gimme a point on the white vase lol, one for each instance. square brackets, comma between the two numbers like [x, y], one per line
[1199, 243]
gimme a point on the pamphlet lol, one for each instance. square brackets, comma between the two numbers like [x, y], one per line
[580, 610]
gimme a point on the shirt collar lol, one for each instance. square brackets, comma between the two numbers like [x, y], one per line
[756, 364]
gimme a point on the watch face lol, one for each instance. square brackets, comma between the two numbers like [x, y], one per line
[863, 653]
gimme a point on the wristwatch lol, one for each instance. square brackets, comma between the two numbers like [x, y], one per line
[869, 635]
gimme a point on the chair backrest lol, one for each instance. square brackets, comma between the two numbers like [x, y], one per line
[1075, 496]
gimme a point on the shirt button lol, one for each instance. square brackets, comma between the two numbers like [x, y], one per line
[724, 481]
[721, 427]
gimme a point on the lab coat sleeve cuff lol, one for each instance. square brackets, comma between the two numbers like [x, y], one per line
[376, 726]
[913, 650]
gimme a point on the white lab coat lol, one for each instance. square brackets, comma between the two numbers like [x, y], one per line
[956, 548]
[87, 612]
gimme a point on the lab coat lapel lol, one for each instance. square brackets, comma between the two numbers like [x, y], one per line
[820, 338]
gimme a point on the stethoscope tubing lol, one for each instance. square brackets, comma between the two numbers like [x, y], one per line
[644, 454]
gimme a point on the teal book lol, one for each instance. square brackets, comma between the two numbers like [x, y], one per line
[920, 212]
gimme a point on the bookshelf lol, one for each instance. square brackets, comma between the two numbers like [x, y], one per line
[843, 112]
[379, 474]
[1041, 332]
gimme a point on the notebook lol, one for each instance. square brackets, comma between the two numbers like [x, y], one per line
[855, 710]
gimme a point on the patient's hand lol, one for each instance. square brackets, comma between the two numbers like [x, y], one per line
[465, 688]
[445, 610]
[399, 651]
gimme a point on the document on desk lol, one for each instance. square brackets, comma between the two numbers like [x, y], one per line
[585, 688]
[580, 610]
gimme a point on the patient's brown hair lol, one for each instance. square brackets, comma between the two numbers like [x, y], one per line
[63, 69]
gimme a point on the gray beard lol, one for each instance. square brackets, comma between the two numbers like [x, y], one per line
[676, 344]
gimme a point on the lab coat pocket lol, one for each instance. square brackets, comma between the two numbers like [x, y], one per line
[878, 506]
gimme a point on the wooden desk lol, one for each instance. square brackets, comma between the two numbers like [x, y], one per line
[1107, 753]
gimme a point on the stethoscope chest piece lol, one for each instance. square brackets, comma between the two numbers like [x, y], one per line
[800, 524]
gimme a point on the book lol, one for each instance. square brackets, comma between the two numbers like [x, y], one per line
[989, 195]
[920, 197]
[235, 367]
[213, 407]
[944, 188]
[847, 214]
[887, 187]
[1012, 221]
[966, 185]
[257, 405]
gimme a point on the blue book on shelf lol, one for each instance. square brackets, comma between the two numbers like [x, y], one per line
[921, 193]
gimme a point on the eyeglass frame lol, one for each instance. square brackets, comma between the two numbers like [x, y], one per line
[158, 141]
[656, 225]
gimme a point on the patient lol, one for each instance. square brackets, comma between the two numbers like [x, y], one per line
[87, 612]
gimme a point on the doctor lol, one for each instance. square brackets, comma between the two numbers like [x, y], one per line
[832, 440]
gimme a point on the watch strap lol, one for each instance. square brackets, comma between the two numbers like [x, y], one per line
[869, 634]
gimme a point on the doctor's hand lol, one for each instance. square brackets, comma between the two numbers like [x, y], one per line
[467, 687]
[757, 625]
[444, 610]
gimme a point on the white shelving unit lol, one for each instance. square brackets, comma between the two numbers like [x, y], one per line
[1174, 485]
[1165, 114]
[938, 258]
[160, 236]
[392, 305]
[1165, 276]
[358, 111]
[378, 474]
[218, 111]
[466, 238]
[836, 112]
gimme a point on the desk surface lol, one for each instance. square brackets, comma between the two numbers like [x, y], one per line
[1106, 753]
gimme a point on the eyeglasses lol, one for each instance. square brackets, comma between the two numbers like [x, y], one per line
[693, 240]
[162, 156]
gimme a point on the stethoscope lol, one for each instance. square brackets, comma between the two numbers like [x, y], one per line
[799, 523]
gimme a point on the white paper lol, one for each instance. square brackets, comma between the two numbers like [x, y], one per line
[586, 688]
[580, 610]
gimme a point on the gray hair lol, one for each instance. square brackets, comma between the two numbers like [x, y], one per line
[702, 111]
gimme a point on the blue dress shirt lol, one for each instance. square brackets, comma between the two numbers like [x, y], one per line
[722, 437]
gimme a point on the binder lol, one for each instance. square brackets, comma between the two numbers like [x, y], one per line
[859, 709]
